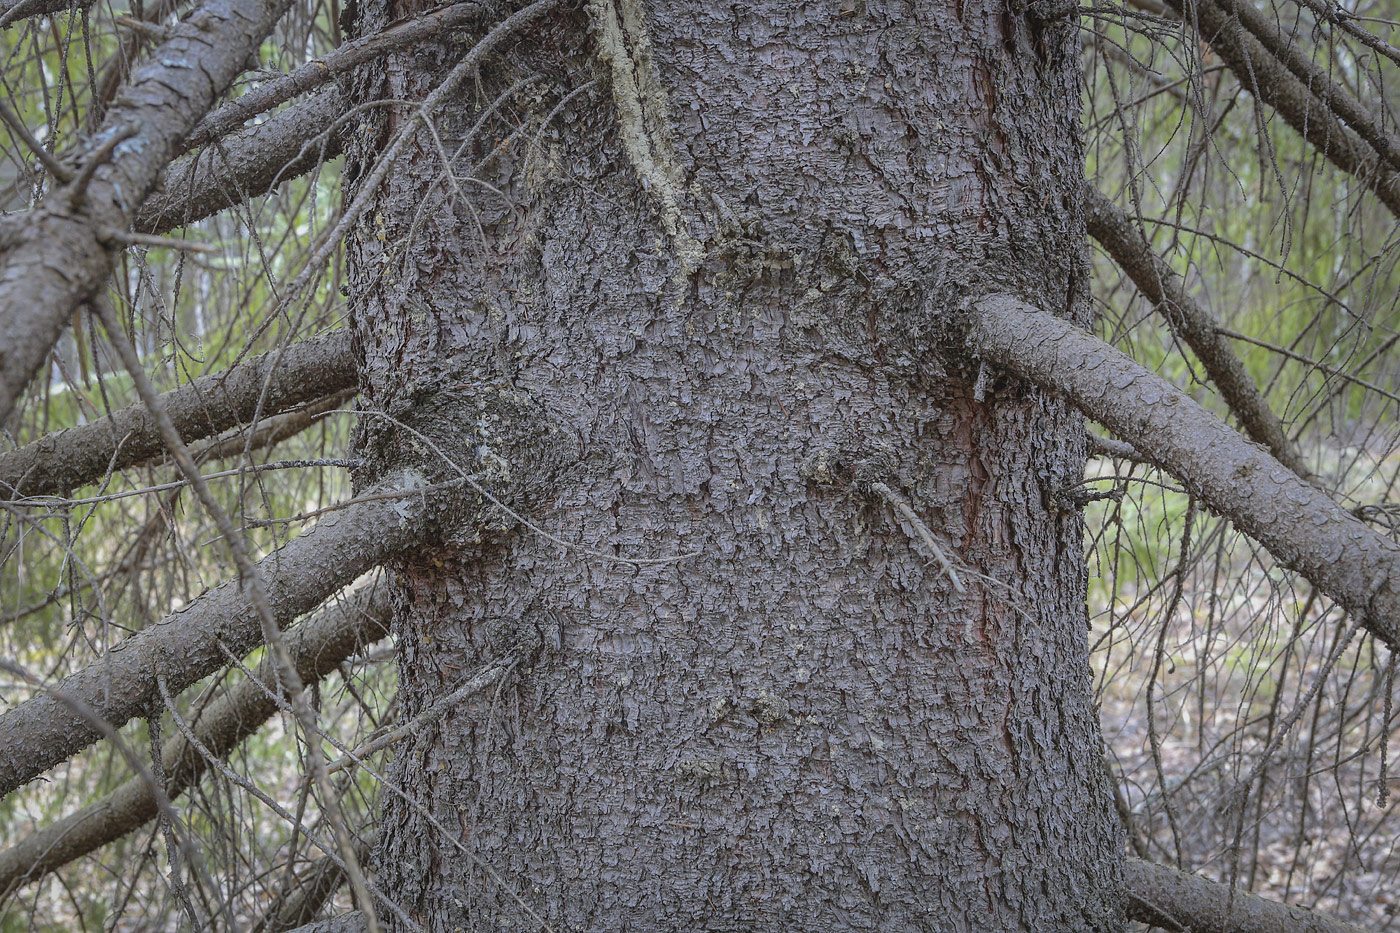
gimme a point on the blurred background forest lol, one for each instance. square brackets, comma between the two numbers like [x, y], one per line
[1248, 734]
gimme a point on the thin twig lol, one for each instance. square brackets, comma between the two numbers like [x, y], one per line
[896, 502]
[252, 579]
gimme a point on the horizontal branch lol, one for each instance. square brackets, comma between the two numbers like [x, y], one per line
[58, 463]
[1118, 234]
[1299, 524]
[191, 644]
[1269, 80]
[58, 255]
[274, 430]
[317, 72]
[1164, 897]
[13, 11]
[316, 645]
[245, 165]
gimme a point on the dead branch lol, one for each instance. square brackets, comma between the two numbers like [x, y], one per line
[245, 164]
[1332, 95]
[1269, 80]
[317, 645]
[186, 645]
[1173, 900]
[274, 430]
[1118, 234]
[1299, 524]
[353, 922]
[12, 11]
[318, 71]
[55, 257]
[59, 463]
[292, 909]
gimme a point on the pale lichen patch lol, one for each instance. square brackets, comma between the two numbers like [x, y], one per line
[644, 123]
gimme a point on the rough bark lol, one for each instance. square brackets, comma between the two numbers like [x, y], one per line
[317, 646]
[1195, 326]
[1173, 900]
[13, 11]
[189, 644]
[245, 164]
[353, 922]
[56, 256]
[1269, 80]
[722, 274]
[1298, 523]
[58, 463]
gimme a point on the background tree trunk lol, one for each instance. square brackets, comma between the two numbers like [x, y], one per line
[729, 273]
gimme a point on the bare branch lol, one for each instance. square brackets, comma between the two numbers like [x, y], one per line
[1193, 324]
[185, 646]
[1298, 523]
[317, 645]
[12, 11]
[1288, 52]
[1265, 77]
[55, 258]
[59, 463]
[318, 71]
[1164, 897]
[274, 430]
[313, 888]
[245, 164]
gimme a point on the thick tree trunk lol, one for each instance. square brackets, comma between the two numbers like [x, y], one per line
[729, 273]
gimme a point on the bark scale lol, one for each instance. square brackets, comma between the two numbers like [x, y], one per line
[729, 272]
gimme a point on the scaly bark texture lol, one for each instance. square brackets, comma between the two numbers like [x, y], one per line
[726, 269]
[1173, 900]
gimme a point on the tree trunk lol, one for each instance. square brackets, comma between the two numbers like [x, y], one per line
[720, 299]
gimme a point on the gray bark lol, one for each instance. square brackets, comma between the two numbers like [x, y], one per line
[1298, 523]
[186, 645]
[13, 11]
[56, 256]
[1173, 900]
[317, 646]
[353, 922]
[1195, 326]
[723, 274]
[245, 164]
[58, 463]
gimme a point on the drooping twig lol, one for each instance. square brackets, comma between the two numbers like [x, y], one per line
[251, 577]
